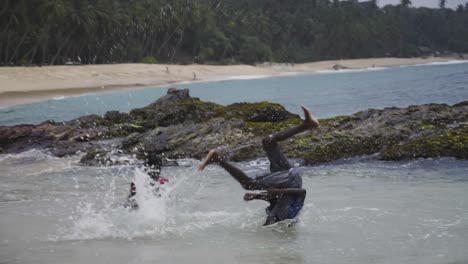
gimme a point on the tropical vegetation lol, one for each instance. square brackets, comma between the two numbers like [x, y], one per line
[45, 32]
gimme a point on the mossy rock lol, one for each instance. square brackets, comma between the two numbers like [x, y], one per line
[116, 117]
[335, 121]
[125, 129]
[177, 112]
[451, 143]
[420, 126]
[464, 103]
[303, 141]
[89, 121]
[248, 152]
[258, 112]
[264, 128]
[341, 148]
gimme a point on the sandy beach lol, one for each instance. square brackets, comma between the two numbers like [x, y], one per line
[21, 85]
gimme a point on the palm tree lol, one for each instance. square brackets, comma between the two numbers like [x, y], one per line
[405, 3]
[442, 4]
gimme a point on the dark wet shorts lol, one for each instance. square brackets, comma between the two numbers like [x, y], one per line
[283, 208]
[288, 206]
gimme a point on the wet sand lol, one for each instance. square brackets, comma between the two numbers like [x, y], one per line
[21, 85]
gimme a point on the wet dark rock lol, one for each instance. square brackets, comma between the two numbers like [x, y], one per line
[337, 67]
[174, 108]
[88, 121]
[116, 117]
[394, 134]
[96, 157]
[20, 138]
[452, 142]
[258, 112]
[179, 126]
[190, 139]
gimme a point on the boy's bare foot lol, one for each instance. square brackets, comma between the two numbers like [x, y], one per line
[310, 121]
[211, 157]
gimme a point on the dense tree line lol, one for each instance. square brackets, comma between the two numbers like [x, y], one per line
[222, 31]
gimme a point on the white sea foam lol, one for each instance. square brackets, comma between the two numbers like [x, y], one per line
[346, 209]
[384, 68]
[247, 77]
[439, 63]
[435, 63]
[34, 162]
[352, 70]
[63, 97]
[290, 73]
[30, 154]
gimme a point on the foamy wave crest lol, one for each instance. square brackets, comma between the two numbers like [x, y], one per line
[34, 162]
[32, 154]
[290, 73]
[442, 63]
[59, 98]
[247, 77]
[352, 70]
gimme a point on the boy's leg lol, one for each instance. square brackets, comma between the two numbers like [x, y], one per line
[278, 161]
[245, 181]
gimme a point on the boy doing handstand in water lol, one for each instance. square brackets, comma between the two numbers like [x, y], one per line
[282, 187]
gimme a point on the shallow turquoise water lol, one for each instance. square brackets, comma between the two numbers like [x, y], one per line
[327, 94]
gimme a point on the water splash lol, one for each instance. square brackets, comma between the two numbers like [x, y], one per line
[177, 208]
[107, 217]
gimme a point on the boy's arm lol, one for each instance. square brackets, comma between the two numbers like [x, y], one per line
[278, 193]
[271, 194]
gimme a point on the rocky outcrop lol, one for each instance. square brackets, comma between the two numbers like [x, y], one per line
[431, 130]
[337, 67]
[180, 126]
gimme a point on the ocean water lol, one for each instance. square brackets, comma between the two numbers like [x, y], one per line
[357, 210]
[327, 94]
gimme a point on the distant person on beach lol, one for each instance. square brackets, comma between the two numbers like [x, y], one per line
[282, 187]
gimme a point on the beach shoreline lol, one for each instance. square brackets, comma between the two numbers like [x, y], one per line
[22, 85]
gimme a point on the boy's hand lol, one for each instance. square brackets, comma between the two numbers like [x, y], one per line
[255, 196]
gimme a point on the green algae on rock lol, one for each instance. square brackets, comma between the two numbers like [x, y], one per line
[451, 143]
[179, 126]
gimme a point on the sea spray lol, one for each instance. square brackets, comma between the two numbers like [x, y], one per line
[107, 217]
[191, 202]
